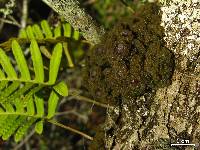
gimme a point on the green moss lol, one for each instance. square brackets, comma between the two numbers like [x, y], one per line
[131, 59]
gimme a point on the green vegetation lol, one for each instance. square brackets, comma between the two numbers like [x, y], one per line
[22, 82]
[21, 103]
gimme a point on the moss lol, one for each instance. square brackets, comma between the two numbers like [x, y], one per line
[131, 59]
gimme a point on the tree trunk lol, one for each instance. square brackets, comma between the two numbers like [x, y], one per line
[167, 115]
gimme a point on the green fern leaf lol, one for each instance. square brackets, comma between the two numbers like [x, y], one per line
[37, 61]
[19, 106]
[44, 31]
[3, 118]
[21, 91]
[3, 84]
[37, 31]
[8, 107]
[57, 31]
[22, 34]
[39, 106]
[21, 61]
[52, 104]
[30, 33]
[61, 88]
[39, 127]
[10, 89]
[46, 28]
[67, 54]
[7, 125]
[23, 129]
[13, 126]
[55, 63]
[67, 30]
[7, 66]
[76, 35]
[30, 107]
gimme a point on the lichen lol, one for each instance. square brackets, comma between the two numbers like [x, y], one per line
[131, 59]
[181, 22]
[78, 18]
[130, 62]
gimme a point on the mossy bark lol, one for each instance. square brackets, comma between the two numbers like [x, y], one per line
[78, 18]
[163, 106]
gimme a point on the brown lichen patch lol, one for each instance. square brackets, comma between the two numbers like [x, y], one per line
[131, 59]
[130, 62]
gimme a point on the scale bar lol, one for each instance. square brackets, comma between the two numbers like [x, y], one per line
[183, 144]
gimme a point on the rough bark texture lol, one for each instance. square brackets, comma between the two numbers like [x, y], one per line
[78, 18]
[159, 115]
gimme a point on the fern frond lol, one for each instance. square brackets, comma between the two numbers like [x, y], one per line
[47, 36]
[61, 32]
[21, 104]
[44, 31]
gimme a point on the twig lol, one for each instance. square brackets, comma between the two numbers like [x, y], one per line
[92, 101]
[13, 20]
[86, 99]
[70, 129]
[64, 113]
[74, 112]
[78, 18]
[24, 13]
[10, 22]
[67, 54]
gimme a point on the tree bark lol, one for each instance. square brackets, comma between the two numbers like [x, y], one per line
[78, 18]
[172, 113]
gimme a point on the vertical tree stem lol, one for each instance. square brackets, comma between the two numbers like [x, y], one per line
[24, 13]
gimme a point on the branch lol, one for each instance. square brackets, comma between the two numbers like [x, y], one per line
[70, 129]
[78, 18]
[24, 13]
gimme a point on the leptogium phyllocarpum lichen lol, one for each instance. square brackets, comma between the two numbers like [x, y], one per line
[131, 59]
